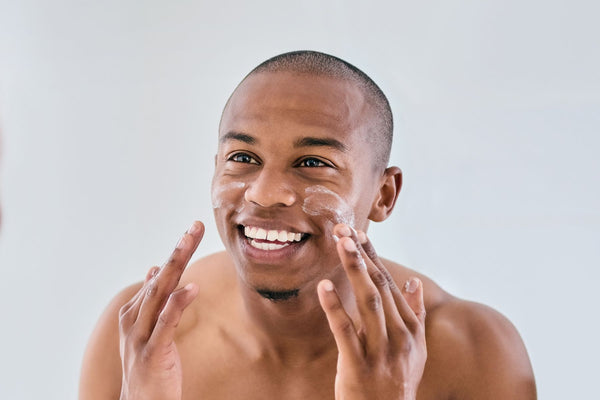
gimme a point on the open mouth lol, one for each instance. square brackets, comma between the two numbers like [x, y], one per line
[271, 239]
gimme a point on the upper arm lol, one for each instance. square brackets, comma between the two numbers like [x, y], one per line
[101, 373]
[476, 353]
[501, 368]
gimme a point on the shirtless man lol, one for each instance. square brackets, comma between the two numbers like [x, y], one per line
[299, 306]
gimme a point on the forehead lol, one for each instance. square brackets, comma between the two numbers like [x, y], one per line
[290, 101]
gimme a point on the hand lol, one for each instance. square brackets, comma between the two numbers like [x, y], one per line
[384, 358]
[147, 323]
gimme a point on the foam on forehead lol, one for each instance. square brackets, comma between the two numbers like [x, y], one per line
[219, 190]
[321, 201]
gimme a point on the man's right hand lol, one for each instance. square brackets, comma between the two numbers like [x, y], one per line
[147, 323]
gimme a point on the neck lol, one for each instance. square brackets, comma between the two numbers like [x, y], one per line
[293, 329]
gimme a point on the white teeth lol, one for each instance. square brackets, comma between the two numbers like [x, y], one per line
[282, 236]
[272, 235]
[267, 246]
[274, 246]
[260, 234]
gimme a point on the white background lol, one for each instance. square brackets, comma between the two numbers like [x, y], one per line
[109, 112]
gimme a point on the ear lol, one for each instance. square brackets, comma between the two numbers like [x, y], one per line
[389, 189]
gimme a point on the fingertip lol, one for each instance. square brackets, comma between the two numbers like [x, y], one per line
[152, 272]
[327, 295]
[326, 286]
[414, 297]
[412, 285]
[196, 228]
[191, 288]
[184, 296]
[342, 230]
[362, 237]
[349, 245]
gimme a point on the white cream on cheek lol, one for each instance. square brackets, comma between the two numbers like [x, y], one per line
[218, 192]
[321, 201]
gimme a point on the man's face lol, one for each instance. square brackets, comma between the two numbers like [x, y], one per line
[293, 161]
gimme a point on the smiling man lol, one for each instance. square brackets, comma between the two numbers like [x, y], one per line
[300, 306]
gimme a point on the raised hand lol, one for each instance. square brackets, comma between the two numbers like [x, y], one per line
[147, 323]
[382, 356]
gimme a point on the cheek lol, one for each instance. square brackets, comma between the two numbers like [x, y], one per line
[226, 196]
[320, 201]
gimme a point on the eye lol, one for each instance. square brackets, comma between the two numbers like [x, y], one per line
[312, 163]
[242, 158]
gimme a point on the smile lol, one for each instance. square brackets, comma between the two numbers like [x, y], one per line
[271, 239]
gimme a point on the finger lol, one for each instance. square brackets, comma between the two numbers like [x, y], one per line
[399, 314]
[128, 312]
[360, 237]
[413, 293]
[341, 325]
[377, 271]
[151, 273]
[161, 287]
[369, 249]
[407, 316]
[368, 297]
[367, 246]
[168, 320]
[390, 293]
[407, 306]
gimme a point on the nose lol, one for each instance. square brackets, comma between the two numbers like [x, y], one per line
[269, 189]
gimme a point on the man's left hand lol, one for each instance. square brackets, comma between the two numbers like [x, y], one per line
[383, 355]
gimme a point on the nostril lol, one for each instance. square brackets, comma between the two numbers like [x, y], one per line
[270, 195]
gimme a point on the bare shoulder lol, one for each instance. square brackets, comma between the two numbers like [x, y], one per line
[210, 270]
[100, 376]
[101, 373]
[217, 282]
[486, 354]
[473, 350]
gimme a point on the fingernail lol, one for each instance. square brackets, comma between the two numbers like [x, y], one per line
[194, 228]
[411, 285]
[349, 245]
[327, 285]
[345, 231]
[335, 238]
[181, 243]
[362, 237]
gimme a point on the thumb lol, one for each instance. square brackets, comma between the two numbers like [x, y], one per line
[413, 293]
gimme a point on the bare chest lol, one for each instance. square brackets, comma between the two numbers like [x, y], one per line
[226, 374]
[239, 377]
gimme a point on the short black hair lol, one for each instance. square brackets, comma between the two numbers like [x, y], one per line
[317, 63]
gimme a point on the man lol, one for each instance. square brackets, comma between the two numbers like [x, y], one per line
[300, 306]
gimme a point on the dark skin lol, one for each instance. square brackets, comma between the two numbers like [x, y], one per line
[357, 328]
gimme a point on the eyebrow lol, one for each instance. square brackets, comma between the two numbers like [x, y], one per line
[304, 142]
[316, 142]
[242, 137]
